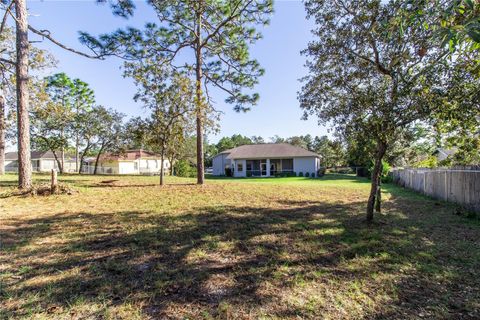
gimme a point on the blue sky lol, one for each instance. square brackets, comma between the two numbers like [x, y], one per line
[278, 111]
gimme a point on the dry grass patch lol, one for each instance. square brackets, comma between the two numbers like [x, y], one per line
[123, 248]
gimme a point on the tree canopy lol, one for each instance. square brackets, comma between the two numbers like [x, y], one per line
[370, 73]
[218, 33]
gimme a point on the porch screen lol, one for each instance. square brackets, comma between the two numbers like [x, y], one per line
[287, 165]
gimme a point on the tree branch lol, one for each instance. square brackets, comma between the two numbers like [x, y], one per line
[224, 22]
[7, 12]
[46, 34]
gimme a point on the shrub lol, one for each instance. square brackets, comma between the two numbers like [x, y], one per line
[386, 177]
[384, 174]
[363, 172]
[321, 172]
[307, 174]
[285, 174]
[249, 174]
[183, 168]
[300, 174]
[430, 162]
[229, 172]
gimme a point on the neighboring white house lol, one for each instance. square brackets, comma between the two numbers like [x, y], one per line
[265, 160]
[42, 161]
[130, 162]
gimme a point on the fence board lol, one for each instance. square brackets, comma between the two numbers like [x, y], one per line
[458, 185]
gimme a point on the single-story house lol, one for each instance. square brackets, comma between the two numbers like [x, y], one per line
[129, 162]
[42, 161]
[265, 160]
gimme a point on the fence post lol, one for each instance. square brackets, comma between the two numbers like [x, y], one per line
[446, 185]
[54, 185]
[424, 182]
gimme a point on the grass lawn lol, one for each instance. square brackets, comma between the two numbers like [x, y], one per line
[122, 247]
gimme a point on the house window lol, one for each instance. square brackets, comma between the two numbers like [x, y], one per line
[240, 167]
[287, 165]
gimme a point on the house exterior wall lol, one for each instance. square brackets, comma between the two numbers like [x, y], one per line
[300, 164]
[138, 166]
[126, 167]
[242, 173]
[41, 165]
[69, 166]
[11, 165]
[306, 164]
[218, 163]
[152, 165]
[47, 164]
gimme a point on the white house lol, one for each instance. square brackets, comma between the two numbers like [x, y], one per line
[42, 161]
[130, 162]
[265, 160]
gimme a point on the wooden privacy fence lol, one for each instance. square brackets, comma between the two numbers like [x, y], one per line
[458, 185]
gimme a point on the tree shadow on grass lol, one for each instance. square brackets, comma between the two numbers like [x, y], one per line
[244, 261]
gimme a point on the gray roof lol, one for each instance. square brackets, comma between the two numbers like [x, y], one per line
[35, 155]
[268, 150]
[447, 152]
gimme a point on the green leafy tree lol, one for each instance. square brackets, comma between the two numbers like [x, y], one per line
[331, 151]
[257, 139]
[90, 125]
[210, 152]
[297, 141]
[59, 113]
[277, 139]
[458, 120]
[111, 134]
[370, 73]
[234, 141]
[217, 33]
[169, 96]
[50, 120]
[23, 51]
[83, 100]
[456, 23]
[39, 60]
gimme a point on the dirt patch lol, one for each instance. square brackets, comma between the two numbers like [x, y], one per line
[108, 181]
[39, 190]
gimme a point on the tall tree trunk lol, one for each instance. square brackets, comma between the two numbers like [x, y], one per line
[199, 111]
[98, 158]
[381, 149]
[62, 152]
[2, 133]
[170, 162]
[77, 139]
[378, 196]
[76, 154]
[59, 163]
[162, 170]
[23, 121]
[87, 148]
